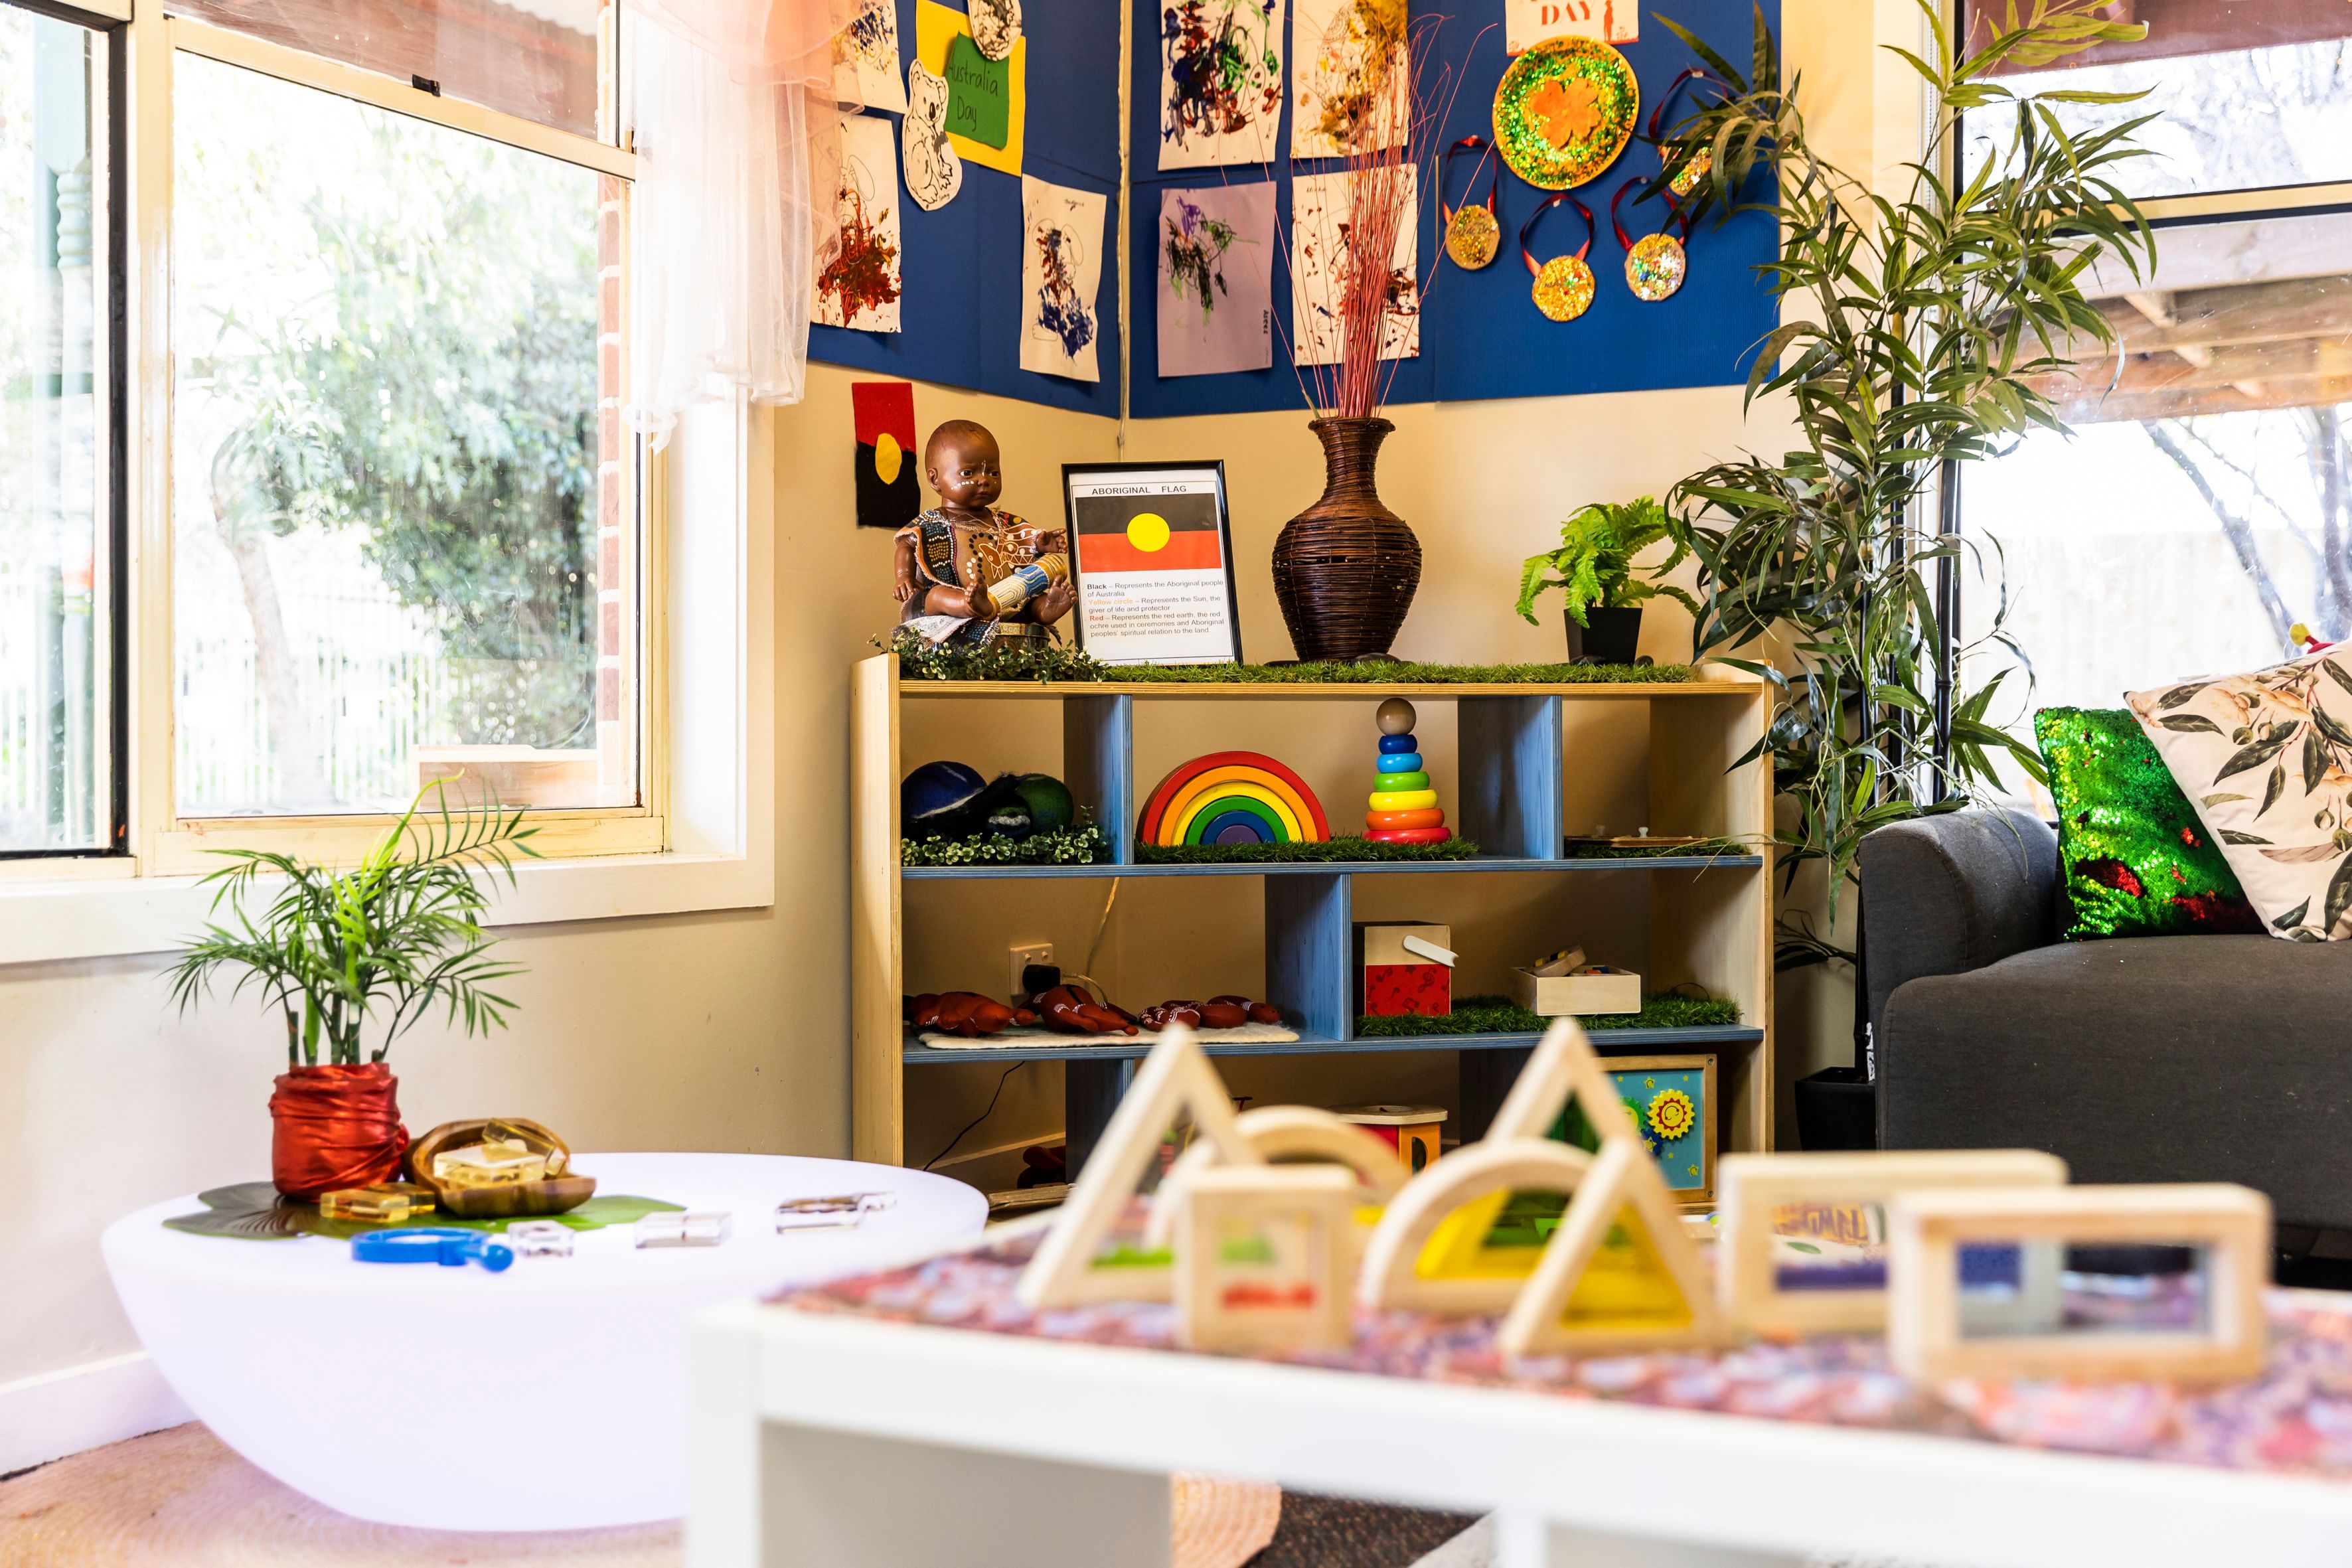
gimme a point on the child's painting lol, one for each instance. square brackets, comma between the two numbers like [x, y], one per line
[859, 286]
[1215, 308]
[1527, 22]
[1219, 81]
[1061, 277]
[1320, 222]
[1354, 89]
[866, 57]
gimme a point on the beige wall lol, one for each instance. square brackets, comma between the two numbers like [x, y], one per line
[728, 1031]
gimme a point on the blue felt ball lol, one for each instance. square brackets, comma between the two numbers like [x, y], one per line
[1399, 744]
[1399, 761]
[935, 787]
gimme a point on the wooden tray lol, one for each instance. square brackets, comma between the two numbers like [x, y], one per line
[557, 1194]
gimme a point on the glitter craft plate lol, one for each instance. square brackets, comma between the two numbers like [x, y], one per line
[1564, 110]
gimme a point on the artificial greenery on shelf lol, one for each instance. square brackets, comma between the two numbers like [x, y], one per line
[1704, 849]
[1501, 1016]
[1081, 843]
[1918, 326]
[1050, 664]
[1327, 849]
[1593, 567]
[387, 941]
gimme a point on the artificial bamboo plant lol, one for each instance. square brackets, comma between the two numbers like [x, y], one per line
[387, 939]
[1916, 322]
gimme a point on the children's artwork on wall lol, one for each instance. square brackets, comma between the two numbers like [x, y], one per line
[995, 25]
[1319, 226]
[934, 170]
[1347, 53]
[1061, 277]
[888, 495]
[988, 100]
[1216, 305]
[1220, 82]
[866, 57]
[1527, 22]
[859, 286]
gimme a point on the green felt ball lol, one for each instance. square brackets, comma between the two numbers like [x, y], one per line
[1049, 802]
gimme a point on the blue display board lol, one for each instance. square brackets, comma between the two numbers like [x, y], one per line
[1481, 335]
[960, 280]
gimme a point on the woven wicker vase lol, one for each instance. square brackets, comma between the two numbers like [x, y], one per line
[1345, 568]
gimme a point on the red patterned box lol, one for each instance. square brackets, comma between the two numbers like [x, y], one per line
[1394, 980]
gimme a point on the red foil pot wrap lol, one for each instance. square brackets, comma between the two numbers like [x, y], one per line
[335, 1127]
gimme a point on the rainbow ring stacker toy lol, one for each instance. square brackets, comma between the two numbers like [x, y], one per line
[1403, 807]
[1233, 798]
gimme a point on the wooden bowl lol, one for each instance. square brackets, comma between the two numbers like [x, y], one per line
[557, 1194]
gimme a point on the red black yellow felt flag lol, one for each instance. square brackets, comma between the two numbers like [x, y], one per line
[890, 489]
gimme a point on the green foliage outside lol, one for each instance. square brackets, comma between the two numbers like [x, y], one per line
[1593, 567]
[386, 942]
[1915, 322]
[415, 358]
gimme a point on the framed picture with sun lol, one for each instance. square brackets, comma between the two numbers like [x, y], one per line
[1151, 554]
[1672, 1103]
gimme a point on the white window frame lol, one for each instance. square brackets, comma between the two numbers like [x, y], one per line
[705, 691]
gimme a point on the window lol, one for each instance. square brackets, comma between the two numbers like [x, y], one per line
[2198, 508]
[57, 577]
[390, 549]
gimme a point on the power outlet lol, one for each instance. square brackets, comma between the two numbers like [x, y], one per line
[1021, 956]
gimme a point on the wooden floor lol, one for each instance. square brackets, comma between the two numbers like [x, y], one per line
[180, 1499]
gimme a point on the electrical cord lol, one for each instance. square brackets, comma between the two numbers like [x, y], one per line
[976, 1121]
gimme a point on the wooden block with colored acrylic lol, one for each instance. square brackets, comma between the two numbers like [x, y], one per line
[2176, 1328]
[1802, 1247]
[1404, 970]
[1264, 1254]
[1466, 1235]
[1600, 990]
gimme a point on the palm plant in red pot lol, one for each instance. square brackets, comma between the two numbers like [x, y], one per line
[384, 942]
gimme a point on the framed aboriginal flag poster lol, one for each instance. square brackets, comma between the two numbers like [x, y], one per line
[1151, 552]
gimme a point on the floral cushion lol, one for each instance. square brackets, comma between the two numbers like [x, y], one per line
[2266, 759]
[2133, 856]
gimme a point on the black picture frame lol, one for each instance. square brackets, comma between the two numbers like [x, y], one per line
[1214, 472]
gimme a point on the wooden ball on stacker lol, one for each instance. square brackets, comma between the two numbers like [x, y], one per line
[1396, 717]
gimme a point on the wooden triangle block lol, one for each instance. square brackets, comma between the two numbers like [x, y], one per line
[1562, 1066]
[1619, 1273]
[1175, 1077]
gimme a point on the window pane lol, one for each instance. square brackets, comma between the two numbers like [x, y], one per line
[55, 784]
[397, 555]
[2253, 93]
[536, 58]
[2201, 504]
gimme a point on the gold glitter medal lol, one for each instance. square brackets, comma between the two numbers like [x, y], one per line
[1702, 162]
[1473, 235]
[1655, 264]
[1565, 109]
[1686, 178]
[1563, 286]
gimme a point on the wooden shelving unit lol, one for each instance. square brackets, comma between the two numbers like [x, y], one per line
[1711, 926]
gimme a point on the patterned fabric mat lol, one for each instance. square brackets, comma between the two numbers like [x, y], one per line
[2297, 1418]
[1038, 1035]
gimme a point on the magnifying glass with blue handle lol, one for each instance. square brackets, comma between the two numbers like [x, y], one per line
[449, 1248]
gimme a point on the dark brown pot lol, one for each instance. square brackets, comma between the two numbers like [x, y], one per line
[1345, 568]
[335, 1127]
[1614, 637]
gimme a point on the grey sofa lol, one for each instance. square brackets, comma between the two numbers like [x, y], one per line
[2146, 1059]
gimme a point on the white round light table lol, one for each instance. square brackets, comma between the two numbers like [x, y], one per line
[550, 1396]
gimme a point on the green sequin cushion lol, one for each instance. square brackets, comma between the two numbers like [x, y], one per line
[2135, 859]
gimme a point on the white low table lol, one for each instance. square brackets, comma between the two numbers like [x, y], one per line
[553, 1396]
[834, 1441]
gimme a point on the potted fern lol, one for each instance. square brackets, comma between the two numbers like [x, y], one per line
[1593, 570]
[383, 943]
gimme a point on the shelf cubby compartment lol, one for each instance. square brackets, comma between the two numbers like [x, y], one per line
[1710, 924]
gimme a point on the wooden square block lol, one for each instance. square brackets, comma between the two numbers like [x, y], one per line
[1264, 1259]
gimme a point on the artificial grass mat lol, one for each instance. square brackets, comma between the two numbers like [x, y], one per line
[1053, 664]
[1501, 1016]
[1330, 849]
[1083, 845]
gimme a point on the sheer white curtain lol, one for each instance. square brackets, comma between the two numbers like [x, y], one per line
[733, 105]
